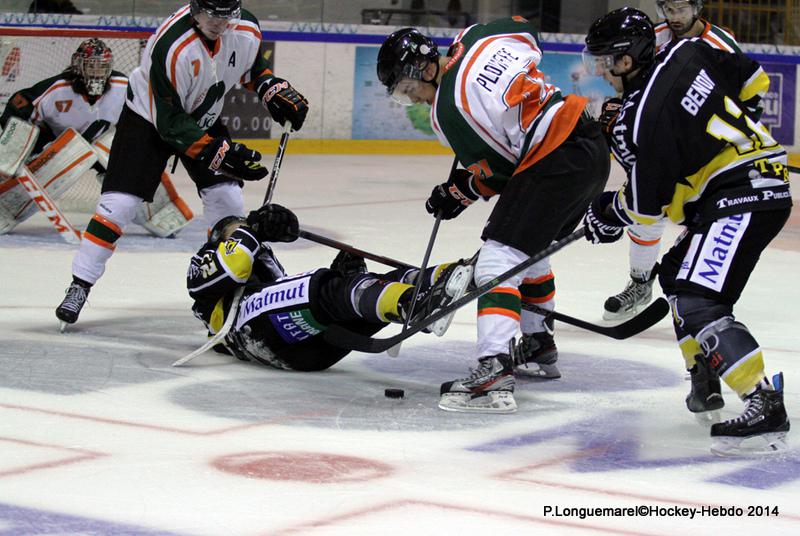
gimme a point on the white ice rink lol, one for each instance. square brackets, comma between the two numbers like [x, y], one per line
[99, 435]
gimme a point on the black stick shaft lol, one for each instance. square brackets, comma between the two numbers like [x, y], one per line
[341, 246]
[276, 167]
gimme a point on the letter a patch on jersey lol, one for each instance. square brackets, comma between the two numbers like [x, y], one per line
[232, 59]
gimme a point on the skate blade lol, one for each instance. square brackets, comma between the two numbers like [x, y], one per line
[456, 287]
[62, 326]
[535, 370]
[492, 402]
[707, 418]
[760, 445]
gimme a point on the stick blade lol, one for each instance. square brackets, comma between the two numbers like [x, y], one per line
[644, 320]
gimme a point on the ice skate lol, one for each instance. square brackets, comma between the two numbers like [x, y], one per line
[760, 429]
[705, 397]
[451, 284]
[635, 297]
[72, 304]
[488, 389]
[535, 356]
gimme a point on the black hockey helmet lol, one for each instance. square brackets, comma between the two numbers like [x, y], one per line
[624, 31]
[91, 64]
[218, 231]
[220, 9]
[405, 53]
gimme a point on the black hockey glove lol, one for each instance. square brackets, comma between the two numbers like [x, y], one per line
[283, 102]
[453, 196]
[349, 264]
[233, 160]
[608, 113]
[274, 223]
[601, 226]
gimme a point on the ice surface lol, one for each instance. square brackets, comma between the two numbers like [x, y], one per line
[99, 435]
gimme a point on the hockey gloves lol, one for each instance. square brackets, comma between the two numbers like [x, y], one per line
[274, 223]
[234, 160]
[283, 102]
[349, 264]
[452, 197]
[608, 113]
[602, 226]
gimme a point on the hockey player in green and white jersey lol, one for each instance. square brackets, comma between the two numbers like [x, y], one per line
[173, 106]
[519, 138]
[681, 21]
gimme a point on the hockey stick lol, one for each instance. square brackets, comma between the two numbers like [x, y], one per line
[394, 351]
[341, 246]
[218, 336]
[276, 167]
[793, 169]
[344, 338]
[642, 321]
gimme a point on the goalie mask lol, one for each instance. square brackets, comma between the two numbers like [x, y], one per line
[624, 31]
[91, 64]
[402, 61]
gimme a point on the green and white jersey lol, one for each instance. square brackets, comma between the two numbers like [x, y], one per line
[54, 104]
[183, 78]
[495, 108]
[715, 36]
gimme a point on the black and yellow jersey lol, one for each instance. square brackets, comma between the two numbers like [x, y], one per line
[684, 133]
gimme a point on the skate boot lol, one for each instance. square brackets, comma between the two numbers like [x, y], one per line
[488, 389]
[764, 418]
[72, 304]
[449, 286]
[705, 397]
[535, 355]
[636, 296]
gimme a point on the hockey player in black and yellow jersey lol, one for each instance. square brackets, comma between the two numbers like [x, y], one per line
[695, 153]
[173, 107]
[278, 318]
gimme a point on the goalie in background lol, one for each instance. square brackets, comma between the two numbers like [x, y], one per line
[694, 152]
[280, 318]
[88, 97]
[173, 106]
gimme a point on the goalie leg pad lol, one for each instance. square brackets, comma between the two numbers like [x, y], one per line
[102, 147]
[57, 168]
[167, 214]
[16, 144]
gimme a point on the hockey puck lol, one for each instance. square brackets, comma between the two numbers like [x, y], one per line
[394, 393]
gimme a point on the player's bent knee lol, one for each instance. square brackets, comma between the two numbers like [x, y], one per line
[496, 258]
[693, 312]
[118, 207]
